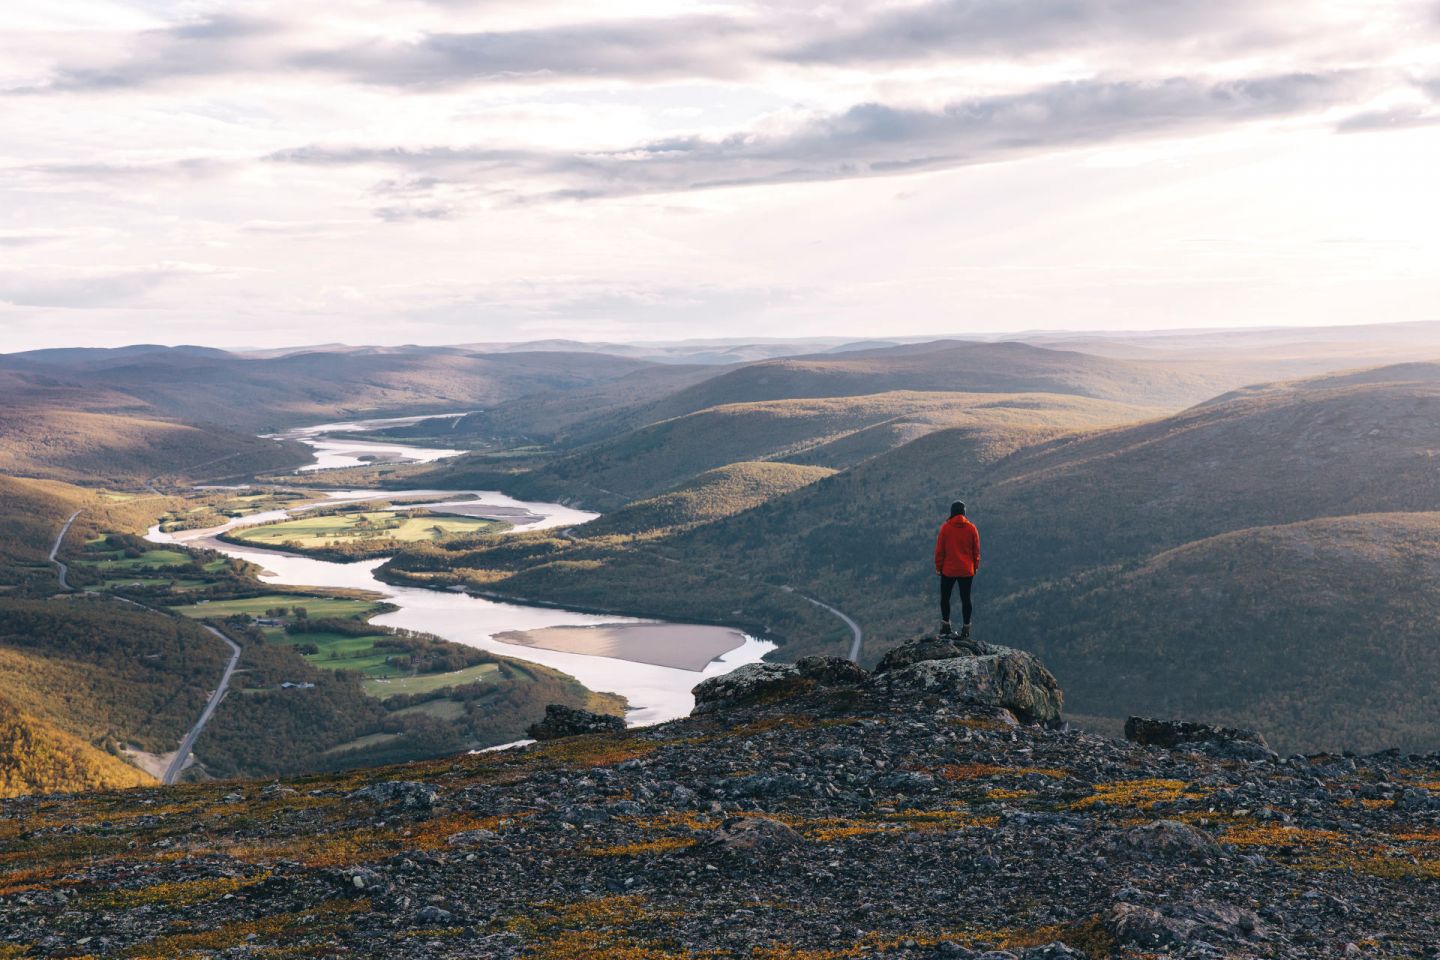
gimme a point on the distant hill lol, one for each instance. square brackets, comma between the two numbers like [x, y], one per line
[258, 395]
[945, 365]
[35, 757]
[829, 432]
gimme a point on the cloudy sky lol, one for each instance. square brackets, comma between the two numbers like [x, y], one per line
[432, 171]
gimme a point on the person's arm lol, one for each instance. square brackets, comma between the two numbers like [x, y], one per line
[975, 550]
[940, 550]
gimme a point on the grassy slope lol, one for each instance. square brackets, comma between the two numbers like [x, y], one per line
[830, 432]
[84, 447]
[1320, 633]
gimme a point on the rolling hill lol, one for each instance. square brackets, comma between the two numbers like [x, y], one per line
[265, 394]
[833, 432]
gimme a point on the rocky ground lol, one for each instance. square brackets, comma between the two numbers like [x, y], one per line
[812, 813]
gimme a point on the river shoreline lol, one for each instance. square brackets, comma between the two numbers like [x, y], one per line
[655, 691]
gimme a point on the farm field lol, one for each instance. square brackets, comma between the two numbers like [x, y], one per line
[315, 607]
[312, 532]
[428, 683]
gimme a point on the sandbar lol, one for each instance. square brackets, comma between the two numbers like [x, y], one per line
[682, 646]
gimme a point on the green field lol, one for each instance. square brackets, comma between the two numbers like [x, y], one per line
[340, 652]
[316, 607]
[356, 528]
[116, 560]
[429, 682]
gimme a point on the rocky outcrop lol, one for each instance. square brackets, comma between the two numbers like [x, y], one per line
[959, 671]
[1177, 734]
[996, 677]
[752, 683]
[1170, 925]
[562, 721]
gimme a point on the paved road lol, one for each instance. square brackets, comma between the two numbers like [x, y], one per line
[177, 765]
[857, 635]
[61, 569]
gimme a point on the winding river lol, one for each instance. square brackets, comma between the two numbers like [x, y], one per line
[656, 693]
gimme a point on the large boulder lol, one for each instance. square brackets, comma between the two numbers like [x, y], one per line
[1000, 677]
[562, 721]
[752, 683]
[933, 648]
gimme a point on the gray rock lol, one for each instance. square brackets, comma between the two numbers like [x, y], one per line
[750, 837]
[932, 648]
[1007, 678]
[1054, 951]
[752, 683]
[562, 721]
[831, 671]
[404, 794]
[1132, 924]
[1168, 838]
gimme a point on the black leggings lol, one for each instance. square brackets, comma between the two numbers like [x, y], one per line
[966, 607]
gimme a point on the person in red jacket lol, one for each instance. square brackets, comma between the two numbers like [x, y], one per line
[957, 560]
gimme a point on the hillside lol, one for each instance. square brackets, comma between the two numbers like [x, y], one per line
[836, 433]
[722, 492]
[100, 448]
[1320, 633]
[799, 815]
[35, 757]
[1006, 367]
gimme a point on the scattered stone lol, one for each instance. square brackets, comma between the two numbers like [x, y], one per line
[404, 794]
[562, 721]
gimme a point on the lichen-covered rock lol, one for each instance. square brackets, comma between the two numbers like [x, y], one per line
[1173, 734]
[1166, 839]
[933, 648]
[562, 721]
[1007, 678]
[752, 683]
[831, 671]
[750, 837]
[1135, 925]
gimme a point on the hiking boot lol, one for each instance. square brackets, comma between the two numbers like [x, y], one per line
[965, 632]
[945, 629]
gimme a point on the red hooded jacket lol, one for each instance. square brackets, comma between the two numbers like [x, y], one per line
[957, 548]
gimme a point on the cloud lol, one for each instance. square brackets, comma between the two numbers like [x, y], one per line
[215, 45]
[84, 289]
[637, 49]
[957, 28]
[873, 139]
[739, 44]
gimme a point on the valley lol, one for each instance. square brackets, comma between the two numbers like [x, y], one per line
[426, 578]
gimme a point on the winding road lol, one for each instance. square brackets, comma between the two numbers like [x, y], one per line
[177, 765]
[62, 570]
[857, 635]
